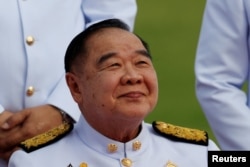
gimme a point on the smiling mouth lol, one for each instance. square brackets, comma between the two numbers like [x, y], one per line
[133, 95]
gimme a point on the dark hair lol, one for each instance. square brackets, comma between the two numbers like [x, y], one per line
[77, 45]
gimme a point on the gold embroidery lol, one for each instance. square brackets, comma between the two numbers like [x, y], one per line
[112, 148]
[46, 137]
[136, 145]
[181, 132]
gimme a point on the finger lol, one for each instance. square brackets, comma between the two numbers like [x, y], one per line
[14, 136]
[11, 138]
[15, 119]
[4, 116]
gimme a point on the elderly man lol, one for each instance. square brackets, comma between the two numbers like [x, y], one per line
[111, 77]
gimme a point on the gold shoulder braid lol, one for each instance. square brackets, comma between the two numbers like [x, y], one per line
[179, 133]
[46, 138]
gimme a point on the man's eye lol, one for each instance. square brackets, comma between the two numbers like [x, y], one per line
[115, 64]
[141, 62]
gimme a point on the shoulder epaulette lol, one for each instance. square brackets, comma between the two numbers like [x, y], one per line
[46, 138]
[179, 133]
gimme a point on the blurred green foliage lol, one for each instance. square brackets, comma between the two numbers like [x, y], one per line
[171, 28]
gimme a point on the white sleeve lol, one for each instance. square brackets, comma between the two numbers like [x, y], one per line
[222, 67]
[61, 98]
[20, 159]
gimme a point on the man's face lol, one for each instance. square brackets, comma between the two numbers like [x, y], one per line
[118, 80]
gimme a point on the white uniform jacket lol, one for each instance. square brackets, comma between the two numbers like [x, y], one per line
[86, 147]
[222, 67]
[34, 35]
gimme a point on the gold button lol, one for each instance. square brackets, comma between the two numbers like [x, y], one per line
[170, 164]
[30, 91]
[126, 162]
[112, 148]
[136, 145]
[83, 164]
[30, 40]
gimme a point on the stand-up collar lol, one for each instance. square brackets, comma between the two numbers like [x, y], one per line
[96, 141]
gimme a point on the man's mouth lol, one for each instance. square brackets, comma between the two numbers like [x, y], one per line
[133, 94]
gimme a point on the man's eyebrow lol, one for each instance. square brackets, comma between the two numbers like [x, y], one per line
[144, 53]
[105, 57]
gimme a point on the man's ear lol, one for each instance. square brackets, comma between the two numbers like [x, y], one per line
[73, 84]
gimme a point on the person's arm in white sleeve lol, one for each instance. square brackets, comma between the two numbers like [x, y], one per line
[222, 67]
[62, 99]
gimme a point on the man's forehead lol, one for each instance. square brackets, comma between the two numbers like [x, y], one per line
[113, 32]
[114, 38]
[111, 42]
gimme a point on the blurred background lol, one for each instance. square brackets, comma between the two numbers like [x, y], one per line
[171, 28]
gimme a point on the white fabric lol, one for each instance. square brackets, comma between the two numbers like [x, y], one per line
[222, 67]
[86, 145]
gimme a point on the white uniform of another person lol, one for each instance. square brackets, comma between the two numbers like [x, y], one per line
[34, 37]
[222, 68]
[84, 147]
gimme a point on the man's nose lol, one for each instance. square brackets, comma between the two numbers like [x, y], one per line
[131, 76]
